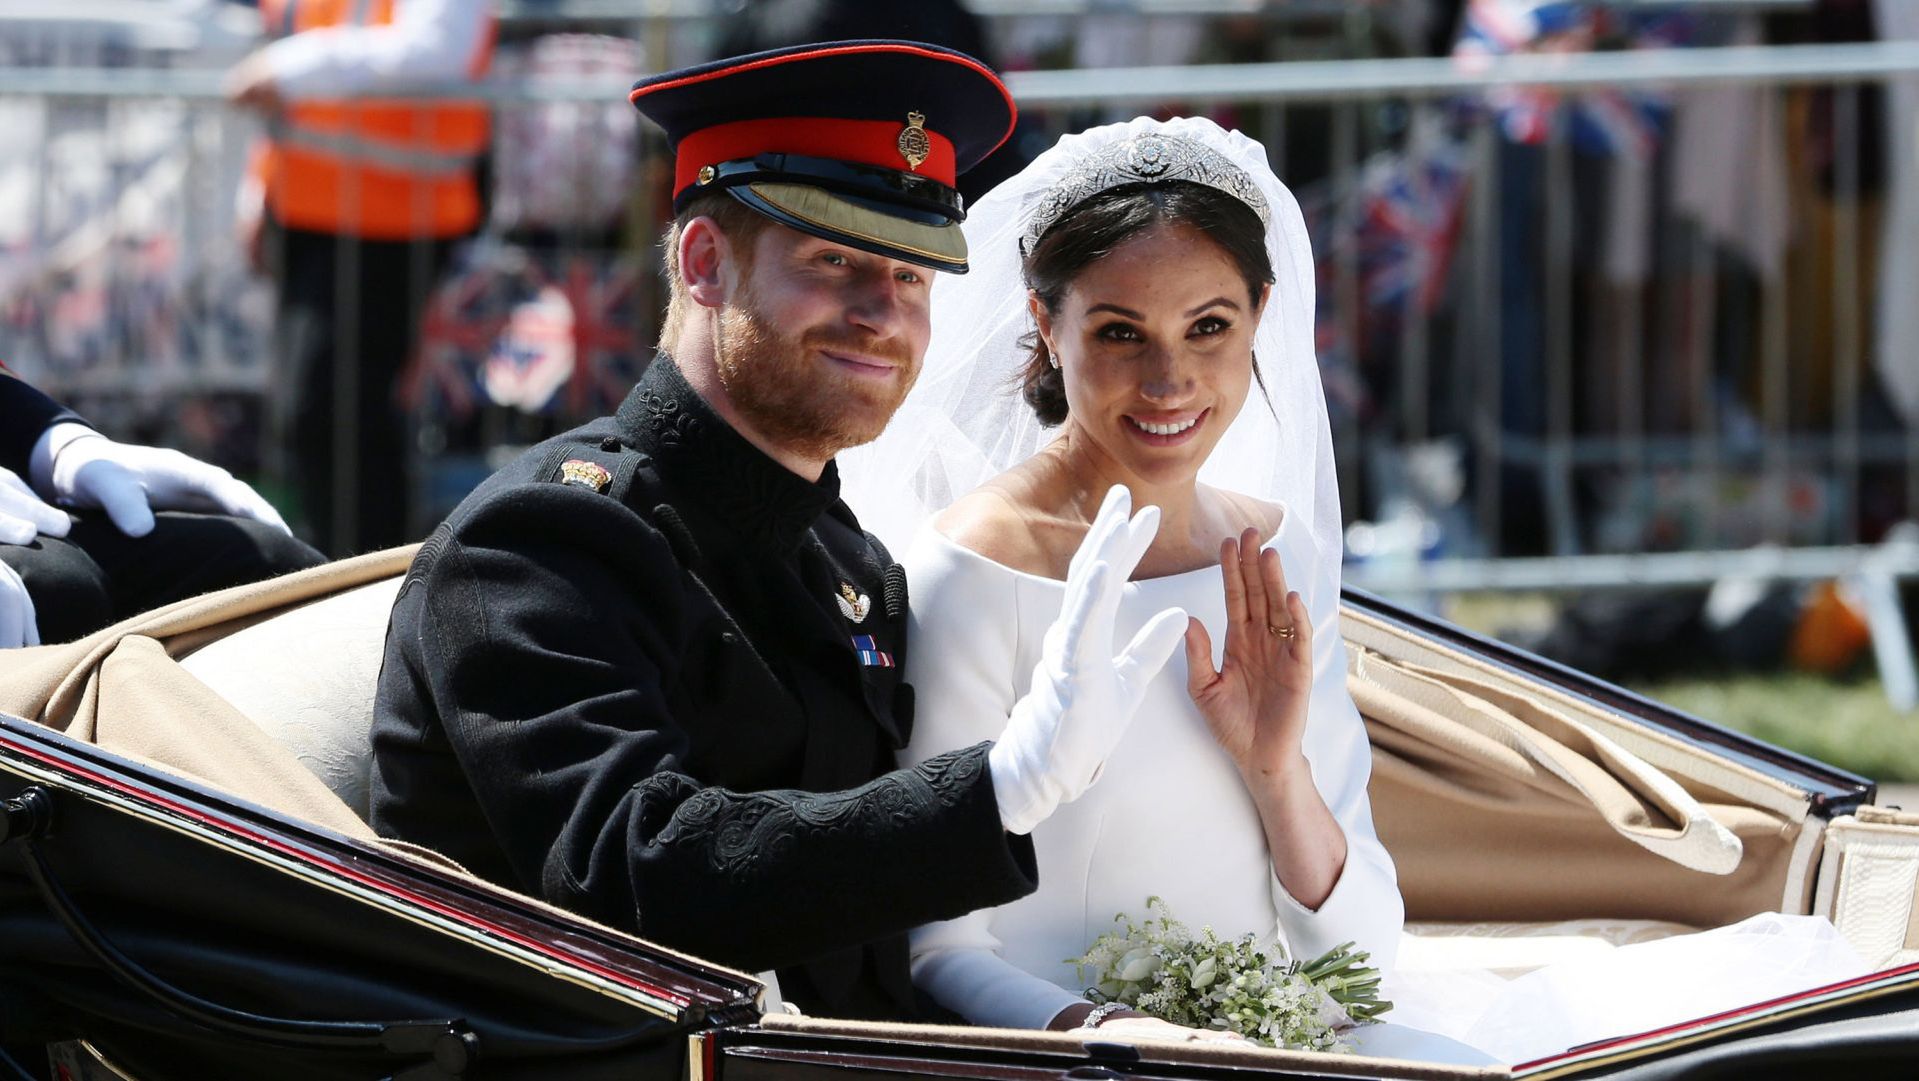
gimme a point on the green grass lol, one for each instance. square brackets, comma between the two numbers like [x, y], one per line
[1846, 722]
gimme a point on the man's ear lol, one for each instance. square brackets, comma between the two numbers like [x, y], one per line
[705, 257]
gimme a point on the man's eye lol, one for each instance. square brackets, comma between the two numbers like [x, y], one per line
[910, 277]
[833, 258]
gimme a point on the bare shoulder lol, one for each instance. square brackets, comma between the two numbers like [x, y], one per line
[1241, 511]
[996, 521]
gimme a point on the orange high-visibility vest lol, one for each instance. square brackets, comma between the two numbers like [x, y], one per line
[371, 169]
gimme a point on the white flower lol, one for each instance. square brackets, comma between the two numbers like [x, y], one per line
[1137, 965]
[1157, 966]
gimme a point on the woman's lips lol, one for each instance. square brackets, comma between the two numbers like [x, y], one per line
[1167, 432]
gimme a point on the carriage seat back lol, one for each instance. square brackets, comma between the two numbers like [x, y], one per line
[307, 677]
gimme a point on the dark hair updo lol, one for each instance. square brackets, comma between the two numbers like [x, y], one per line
[1102, 223]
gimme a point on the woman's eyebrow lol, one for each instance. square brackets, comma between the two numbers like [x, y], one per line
[1216, 302]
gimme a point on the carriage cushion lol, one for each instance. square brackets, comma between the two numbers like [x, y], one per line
[307, 677]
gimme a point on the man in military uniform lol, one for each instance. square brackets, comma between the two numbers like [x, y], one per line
[650, 671]
[154, 526]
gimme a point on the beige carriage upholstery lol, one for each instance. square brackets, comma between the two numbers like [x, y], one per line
[1510, 801]
[1526, 825]
[306, 677]
[125, 689]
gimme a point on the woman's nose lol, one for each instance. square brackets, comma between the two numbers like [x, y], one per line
[1166, 376]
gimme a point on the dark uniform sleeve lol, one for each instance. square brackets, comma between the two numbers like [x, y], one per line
[551, 656]
[25, 413]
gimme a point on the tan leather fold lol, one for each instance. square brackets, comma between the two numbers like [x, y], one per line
[1635, 800]
[153, 710]
[122, 690]
[1495, 808]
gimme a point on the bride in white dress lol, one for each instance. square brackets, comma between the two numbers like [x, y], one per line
[1155, 285]
[1157, 260]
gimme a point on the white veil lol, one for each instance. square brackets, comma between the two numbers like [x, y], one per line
[965, 421]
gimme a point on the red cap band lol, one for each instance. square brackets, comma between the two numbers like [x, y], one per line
[867, 142]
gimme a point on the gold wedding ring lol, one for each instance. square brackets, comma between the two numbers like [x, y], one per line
[1286, 633]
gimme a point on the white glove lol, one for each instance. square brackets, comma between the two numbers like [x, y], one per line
[18, 624]
[130, 482]
[1082, 696]
[24, 516]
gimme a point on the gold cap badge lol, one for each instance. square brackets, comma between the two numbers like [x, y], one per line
[584, 474]
[913, 143]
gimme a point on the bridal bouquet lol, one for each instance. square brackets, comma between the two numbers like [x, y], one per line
[1156, 966]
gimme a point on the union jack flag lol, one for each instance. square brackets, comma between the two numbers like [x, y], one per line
[457, 331]
[1608, 122]
[1410, 211]
[1396, 229]
[539, 332]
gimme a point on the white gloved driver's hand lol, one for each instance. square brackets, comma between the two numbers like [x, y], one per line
[130, 482]
[23, 516]
[1083, 695]
[18, 624]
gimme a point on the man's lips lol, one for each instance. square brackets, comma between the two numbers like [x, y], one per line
[860, 364]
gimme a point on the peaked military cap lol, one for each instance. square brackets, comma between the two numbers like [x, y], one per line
[856, 141]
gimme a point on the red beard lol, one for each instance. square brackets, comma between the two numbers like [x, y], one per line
[788, 396]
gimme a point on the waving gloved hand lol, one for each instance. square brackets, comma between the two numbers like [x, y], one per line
[1083, 695]
[130, 482]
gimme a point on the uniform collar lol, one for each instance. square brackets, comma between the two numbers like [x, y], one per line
[709, 464]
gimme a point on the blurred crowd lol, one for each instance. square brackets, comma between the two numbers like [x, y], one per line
[1638, 245]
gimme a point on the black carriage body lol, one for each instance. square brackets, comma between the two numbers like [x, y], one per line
[324, 956]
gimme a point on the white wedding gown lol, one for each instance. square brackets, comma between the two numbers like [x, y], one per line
[1169, 817]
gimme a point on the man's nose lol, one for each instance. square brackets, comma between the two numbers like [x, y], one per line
[878, 305]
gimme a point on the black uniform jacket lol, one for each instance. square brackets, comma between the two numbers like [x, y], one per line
[25, 413]
[673, 704]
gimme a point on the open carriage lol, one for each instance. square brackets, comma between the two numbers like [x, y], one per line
[187, 888]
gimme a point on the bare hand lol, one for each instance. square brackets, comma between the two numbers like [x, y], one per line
[252, 229]
[250, 83]
[1255, 704]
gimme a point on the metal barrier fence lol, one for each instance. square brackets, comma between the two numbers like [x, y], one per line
[1551, 366]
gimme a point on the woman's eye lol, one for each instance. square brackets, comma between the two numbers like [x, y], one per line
[1210, 325]
[1119, 332]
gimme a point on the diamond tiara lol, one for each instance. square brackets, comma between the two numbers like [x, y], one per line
[1142, 159]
